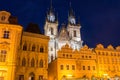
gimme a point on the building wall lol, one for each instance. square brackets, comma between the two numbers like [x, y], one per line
[88, 63]
[9, 44]
[33, 57]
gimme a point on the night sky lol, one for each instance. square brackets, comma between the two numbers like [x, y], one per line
[100, 19]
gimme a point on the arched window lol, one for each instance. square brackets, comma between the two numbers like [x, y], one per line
[32, 62]
[41, 49]
[51, 31]
[23, 62]
[41, 63]
[25, 47]
[3, 54]
[33, 48]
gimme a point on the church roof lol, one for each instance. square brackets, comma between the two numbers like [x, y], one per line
[33, 28]
[63, 35]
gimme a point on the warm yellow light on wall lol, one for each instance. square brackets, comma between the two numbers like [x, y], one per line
[69, 75]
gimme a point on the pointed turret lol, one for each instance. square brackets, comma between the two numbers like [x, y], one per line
[71, 16]
[50, 14]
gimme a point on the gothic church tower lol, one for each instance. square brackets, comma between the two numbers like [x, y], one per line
[73, 29]
[51, 30]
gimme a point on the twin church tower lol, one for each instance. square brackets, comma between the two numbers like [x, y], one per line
[69, 34]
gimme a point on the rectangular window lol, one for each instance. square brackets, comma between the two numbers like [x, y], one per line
[74, 33]
[73, 67]
[88, 67]
[67, 67]
[6, 34]
[21, 77]
[3, 54]
[61, 67]
[83, 67]
[40, 77]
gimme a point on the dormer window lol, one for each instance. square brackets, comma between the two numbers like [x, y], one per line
[3, 18]
[6, 34]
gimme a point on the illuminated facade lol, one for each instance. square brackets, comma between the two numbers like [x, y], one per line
[69, 33]
[87, 63]
[23, 55]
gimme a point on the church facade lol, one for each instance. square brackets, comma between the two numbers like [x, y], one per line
[69, 33]
[56, 55]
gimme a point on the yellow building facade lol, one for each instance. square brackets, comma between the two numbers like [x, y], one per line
[23, 55]
[87, 63]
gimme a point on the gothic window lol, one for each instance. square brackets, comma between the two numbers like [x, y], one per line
[23, 62]
[41, 49]
[3, 54]
[32, 62]
[21, 77]
[51, 31]
[6, 34]
[25, 47]
[67, 67]
[33, 48]
[73, 67]
[74, 33]
[41, 63]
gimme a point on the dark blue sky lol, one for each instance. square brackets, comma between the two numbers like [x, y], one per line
[100, 19]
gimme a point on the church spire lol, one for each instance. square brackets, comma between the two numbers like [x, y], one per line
[50, 15]
[71, 16]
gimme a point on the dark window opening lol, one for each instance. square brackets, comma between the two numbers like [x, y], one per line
[6, 34]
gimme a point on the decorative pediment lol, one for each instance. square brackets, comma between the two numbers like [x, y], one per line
[110, 47]
[118, 48]
[66, 48]
[85, 47]
[4, 17]
[100, 46]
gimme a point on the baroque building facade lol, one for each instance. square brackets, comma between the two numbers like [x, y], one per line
[23, 55]
[86, 64]
[56, 55]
